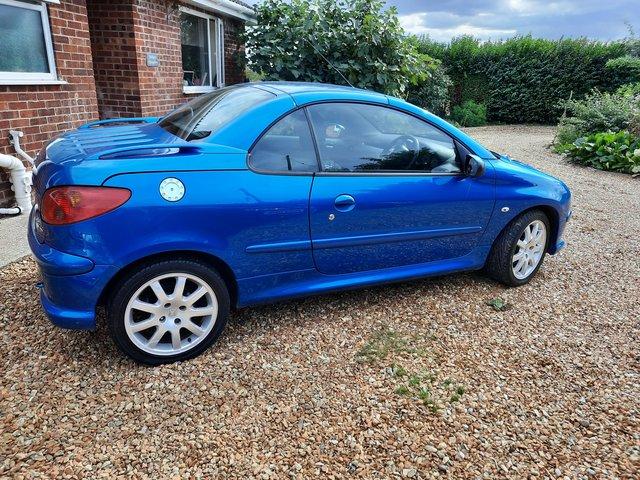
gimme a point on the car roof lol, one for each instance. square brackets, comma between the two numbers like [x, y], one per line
[288, 95]
[303, 90]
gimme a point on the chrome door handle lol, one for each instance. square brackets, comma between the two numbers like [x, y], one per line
[344, 203]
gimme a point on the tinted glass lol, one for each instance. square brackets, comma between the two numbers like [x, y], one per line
[367, 138]
[208, 113]
[22, 45]
[286, 147]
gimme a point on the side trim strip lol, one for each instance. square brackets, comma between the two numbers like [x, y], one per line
[360, 240]
[279, 247]
[392, 237]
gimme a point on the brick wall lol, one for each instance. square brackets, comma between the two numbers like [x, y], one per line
[233, 50]
[43, 111]
[114, 58]
[123, 32]
[100, 50]
[158, 31]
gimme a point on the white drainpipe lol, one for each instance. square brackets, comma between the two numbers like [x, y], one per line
[16, 135]
[19, 176]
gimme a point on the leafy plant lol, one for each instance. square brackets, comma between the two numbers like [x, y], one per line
[432, 94]
[629, 90]
[597, 112]
[470, 114]
[616, 151]
[402, 390]
[499, 304]
[362, 39]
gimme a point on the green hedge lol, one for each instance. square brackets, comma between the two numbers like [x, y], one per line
[525, 79]
[469, 114]
[624, 70]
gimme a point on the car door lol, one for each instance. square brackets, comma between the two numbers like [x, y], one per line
[275, 233]
[390, 191]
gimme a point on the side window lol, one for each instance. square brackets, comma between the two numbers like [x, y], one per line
[286, 147]
[356, 137]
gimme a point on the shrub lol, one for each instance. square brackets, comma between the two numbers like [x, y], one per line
[597, 112]
[363, 39]
[470, 114]
[629, 90]
[433, 93]
[616, 151]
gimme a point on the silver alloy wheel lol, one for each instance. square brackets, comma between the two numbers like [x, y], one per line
[529, 249]
[177, 320]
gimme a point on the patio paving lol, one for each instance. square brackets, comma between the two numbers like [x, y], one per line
[13, 238]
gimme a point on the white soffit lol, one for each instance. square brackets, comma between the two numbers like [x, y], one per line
[226, 7]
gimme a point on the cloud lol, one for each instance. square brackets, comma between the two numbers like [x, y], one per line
[496, 19]
[415, 24]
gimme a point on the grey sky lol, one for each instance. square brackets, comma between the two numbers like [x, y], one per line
[494, 19]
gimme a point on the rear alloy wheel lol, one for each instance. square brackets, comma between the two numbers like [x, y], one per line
[169, 311]
[519, 250]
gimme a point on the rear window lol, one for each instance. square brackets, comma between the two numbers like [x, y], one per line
[208, 113]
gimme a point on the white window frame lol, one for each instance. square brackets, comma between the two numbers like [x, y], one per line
[219, 52]
[38, 78]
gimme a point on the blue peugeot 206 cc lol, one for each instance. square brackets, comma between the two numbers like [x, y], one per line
[267, 191]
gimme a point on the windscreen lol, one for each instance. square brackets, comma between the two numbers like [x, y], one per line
[208, 113]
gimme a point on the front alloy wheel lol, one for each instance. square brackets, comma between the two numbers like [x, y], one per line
[168, 311]
[529, 250]
[519, 250]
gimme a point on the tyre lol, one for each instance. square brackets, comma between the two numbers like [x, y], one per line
[168, 311]
[519, 250]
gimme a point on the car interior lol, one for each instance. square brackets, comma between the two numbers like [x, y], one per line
[355, 138]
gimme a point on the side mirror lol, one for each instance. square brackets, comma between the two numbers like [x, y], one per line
[474, 166]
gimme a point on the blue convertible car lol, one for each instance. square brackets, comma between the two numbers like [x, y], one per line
[268, 191]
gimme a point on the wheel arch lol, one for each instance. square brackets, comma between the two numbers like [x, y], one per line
[211, 260]
[554, 224]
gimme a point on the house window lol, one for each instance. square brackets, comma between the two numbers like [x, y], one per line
[27, 50]
[202, 39]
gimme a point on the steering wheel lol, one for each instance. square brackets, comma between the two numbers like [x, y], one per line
[404, 144]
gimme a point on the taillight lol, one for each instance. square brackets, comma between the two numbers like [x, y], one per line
[64, 205]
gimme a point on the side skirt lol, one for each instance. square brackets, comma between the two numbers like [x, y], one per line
[302, 283]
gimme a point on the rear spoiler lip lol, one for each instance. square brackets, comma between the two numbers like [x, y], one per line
[119, 120]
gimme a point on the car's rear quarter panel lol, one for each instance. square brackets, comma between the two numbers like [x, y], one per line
[223, 213]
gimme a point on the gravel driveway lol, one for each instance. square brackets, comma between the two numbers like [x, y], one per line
[418, 380]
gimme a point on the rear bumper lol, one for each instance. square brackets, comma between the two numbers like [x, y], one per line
[64, 317]
[70, 301]
[71, 285]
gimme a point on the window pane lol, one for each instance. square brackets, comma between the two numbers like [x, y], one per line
[208, 113]
[286, 147]
[367, 138]
[22, 43]
[195, 50]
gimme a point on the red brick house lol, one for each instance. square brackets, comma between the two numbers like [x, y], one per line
[66, 62]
